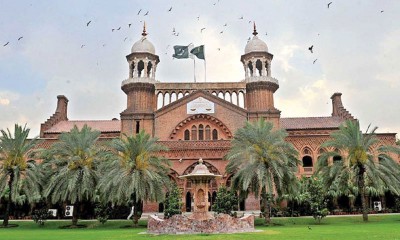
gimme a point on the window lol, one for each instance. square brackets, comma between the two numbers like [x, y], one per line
[307, 161]
[194, 132]
[187, 135]
[137, 126]
[201, 132]
[215, 134]
[208, 132]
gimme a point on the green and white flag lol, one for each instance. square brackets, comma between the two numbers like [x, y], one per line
[181, 52]
[198, 52]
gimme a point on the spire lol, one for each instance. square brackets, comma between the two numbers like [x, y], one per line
[255, 30]
[144, 30]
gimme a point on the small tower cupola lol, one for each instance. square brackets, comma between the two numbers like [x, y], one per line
[260, 85]
[257, 60]
[142, 61]
[140, 88]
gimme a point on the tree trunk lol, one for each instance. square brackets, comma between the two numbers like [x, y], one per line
[8, 208]
[75, 214]
[361, 188]
[267, 207]
[137, 212]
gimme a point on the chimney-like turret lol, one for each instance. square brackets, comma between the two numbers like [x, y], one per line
[61, 114]
[337, 107]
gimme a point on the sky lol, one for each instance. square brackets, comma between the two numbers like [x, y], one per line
[356, 45]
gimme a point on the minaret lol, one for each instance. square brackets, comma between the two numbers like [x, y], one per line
[260, 85]
[139, 88]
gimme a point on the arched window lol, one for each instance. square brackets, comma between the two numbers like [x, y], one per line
[235, 98]
[259, 67]
[201, 132]
[166, 98]
[337, 157]
[149, 67]
[250, 66]
[307, 151]
[194, 132]
[188, 202]
[173, 97]
[187, 134]
[208, 132]
[241, 99]
[227, 97]
[160, 100]
[140, 68]
[215, 134]
[307, 161]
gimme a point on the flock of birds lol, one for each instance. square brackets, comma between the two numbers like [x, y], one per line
[176, 33]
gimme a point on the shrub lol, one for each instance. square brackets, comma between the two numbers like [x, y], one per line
[225, 202]
[40, 216]
[102, 212]
[173, 202]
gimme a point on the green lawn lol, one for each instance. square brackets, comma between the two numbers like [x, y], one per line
[379, 227]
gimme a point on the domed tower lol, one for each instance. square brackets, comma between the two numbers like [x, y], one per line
[260, 86]
[139, 88]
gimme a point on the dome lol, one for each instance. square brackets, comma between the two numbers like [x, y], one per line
[255, 45]
[143, 45]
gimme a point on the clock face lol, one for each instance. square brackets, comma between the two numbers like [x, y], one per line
[200, 105]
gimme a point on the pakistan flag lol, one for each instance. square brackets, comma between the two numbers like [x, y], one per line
[198, 52]
[181, 52]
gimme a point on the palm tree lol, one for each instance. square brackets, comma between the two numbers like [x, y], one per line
[359, 171]
[263, 162]
[136, 173]
[72, 165]
[18, 172]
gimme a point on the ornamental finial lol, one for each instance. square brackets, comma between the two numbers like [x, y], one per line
[144, 30]
[255, 30]
[200, 161]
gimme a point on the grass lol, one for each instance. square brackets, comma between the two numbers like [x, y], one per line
[379, 227]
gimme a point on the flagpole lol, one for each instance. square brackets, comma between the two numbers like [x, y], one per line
[205, 70]
[194, 69]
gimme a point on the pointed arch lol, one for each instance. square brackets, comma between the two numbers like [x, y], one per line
[215, 121]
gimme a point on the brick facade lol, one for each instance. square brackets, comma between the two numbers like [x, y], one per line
[163, 110]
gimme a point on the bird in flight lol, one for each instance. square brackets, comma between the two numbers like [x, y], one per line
[82, 45]
[20, 38]
[221, 32]
[241, 17]
[266, 33]
[225, 24]
[129, 25]
[314, 60]
[147, 13]
[170, 9]
[310, 48]
[125, 39]
[118, 28]
[382, 11]
[112, 30]
[87, 24]
[201, 30]
[329, 4]
[198, 18]
[6, 44]
[139, 12]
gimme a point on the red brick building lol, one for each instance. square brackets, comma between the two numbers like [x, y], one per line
[198, 120]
